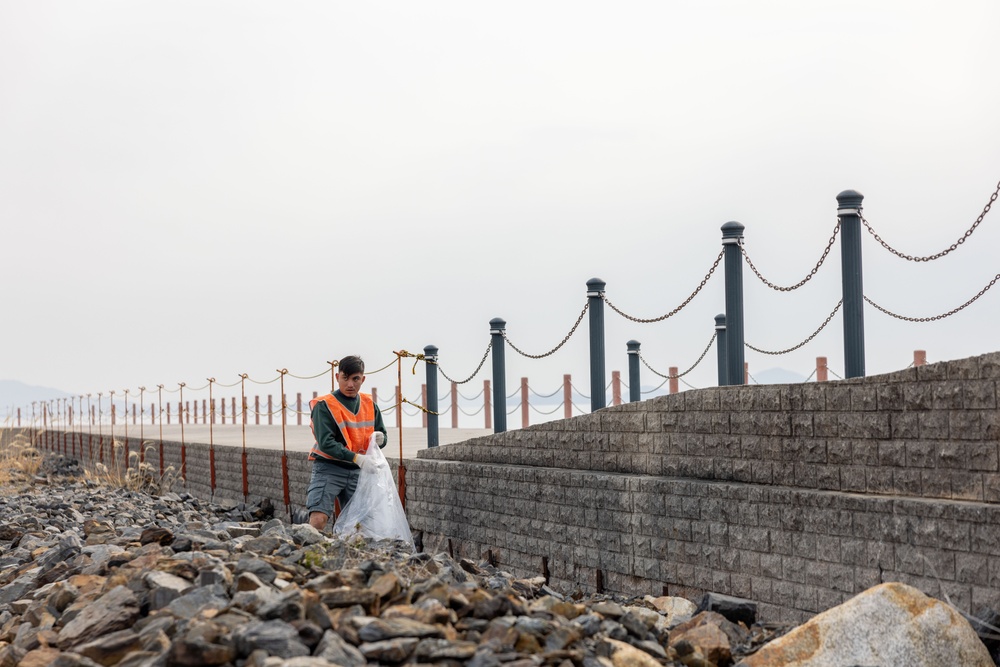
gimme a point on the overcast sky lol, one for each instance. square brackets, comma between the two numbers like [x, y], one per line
[201, 189]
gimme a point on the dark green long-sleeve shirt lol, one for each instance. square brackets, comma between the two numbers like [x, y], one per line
[329, 439]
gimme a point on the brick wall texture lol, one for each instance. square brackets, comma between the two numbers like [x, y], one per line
[796, 496]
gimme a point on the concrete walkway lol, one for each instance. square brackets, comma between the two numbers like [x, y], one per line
[297, 438]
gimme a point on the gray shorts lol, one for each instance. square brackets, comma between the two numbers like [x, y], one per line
[330, 482]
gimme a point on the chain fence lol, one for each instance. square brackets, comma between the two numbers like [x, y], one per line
[701, 285]
[938, 255]
[826, 251]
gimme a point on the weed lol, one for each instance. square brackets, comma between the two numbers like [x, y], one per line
[19, 458]
[135, 476]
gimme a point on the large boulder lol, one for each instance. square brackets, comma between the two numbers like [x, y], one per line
[889, 624]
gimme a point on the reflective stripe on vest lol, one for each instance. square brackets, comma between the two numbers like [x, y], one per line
[356, 428]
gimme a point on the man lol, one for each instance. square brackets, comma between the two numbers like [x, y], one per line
[342, 423]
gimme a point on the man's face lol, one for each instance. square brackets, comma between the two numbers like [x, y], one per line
[350, 385]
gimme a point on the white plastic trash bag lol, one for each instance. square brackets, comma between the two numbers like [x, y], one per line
[374, 510]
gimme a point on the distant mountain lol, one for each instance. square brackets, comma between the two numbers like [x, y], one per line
[14, 394]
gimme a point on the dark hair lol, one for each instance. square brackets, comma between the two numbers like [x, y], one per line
[351, 365]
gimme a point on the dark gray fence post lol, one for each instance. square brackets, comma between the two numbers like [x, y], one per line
[732, 240]
[598, 380]
[430, 361]
[849, 212]
[720, 343]
[497, 326]
[634, 389]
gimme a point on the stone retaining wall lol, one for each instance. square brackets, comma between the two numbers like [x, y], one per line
[797, 496]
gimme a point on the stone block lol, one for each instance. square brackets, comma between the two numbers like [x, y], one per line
[933, 425]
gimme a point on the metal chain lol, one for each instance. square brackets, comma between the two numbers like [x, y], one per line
[675, 310]
[938, 255]
[656, 388]
[553, 350]
[550, 412]
[804, 280]
[544, 395]
[474, 373]
[680, 375]
[936, 317]
[813, 335]
[267, 382]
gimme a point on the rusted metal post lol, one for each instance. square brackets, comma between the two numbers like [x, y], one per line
[486, 405]
[180, 418]
[674, 386]
[270, 410]
[567, 396]
[211, 436]
[243, 457]
[423, 404]
[298, 408]
[399, 407]
[616, 388]
[919, 357]
[524, 402]
[454, 405]
[746, 372]
[821, 369]
[256, 410]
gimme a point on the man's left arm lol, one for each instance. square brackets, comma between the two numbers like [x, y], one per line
[380, 426]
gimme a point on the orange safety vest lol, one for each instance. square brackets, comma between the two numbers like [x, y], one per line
[356, 428]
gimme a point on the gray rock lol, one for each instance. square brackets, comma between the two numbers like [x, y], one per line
[276, 637]
[197, 600]
[334, 649]
[115, 610]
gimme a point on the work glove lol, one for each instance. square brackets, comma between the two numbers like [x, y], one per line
[379, 438]
[359, 460]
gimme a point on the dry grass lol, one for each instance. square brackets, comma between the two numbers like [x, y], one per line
[20, 460]
[136, 476]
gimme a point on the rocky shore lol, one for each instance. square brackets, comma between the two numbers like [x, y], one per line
[95, 575]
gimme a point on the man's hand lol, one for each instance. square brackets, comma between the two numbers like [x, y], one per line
[379, 438]
[359, 459]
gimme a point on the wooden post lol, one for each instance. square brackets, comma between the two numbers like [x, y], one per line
[567, 396]
[920, 357]
[454, 405]
[232, 404]
[196, 411]
[486, 404]
[399, 407]
[298, 408]
[821, 369]
[524, 402]
[187, 411]
[270, 410]
[423, 404]
[168, 413]
[616, 388]
[674, 380]
[256, 410]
